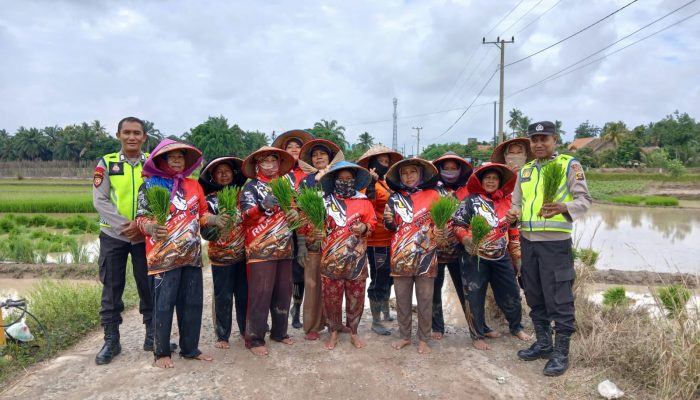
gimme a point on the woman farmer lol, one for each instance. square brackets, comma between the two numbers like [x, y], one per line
[268, 243]
[316, 157]
[226, 249]
[453, 174]
[489, 188]
[377, 160]
[350, 219]
[413, 247]
[514, 153]
[174, 250]
[291, 142]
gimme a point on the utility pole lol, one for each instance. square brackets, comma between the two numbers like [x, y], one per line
[417, 128]
[394, 142]
[501, 44]
[495, 138]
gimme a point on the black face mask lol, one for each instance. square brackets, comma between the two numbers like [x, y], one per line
[344, 189]
[380, 169]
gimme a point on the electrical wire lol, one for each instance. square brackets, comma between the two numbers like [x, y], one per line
[573, 34]
[537, 19]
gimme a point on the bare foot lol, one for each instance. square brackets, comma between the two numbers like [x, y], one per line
[423, 348]
[492, 334]
[437, 336]
[202, 357]
[259, 351]
[480, 344]
[287, 340]
[222, 344]
[523, 336]
[164, 362]
[400, 344]
[356, 341]
[332, 341]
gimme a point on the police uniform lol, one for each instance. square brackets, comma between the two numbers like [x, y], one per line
[115, 188]
[547, 259]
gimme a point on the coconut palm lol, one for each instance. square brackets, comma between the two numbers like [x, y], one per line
[614, 132]
[330, 130]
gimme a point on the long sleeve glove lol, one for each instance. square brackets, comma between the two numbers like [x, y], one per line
[157, 232]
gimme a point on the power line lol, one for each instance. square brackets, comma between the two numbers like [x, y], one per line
[475, 82]
[468, 108]
[504, 18]
[537, 19]
[418, 115]
[573, 34]
[521, 17]
[559, 73]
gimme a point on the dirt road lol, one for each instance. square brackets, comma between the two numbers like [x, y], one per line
[304, 370]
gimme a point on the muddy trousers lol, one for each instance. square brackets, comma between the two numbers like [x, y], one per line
[269, 293]
[178, 290]
[229, 281]
[548, 275]
[380, 281]
[501, 276]
[403, 287]
[456, 276]
[333, 291]
[112, 270]
[313, 308]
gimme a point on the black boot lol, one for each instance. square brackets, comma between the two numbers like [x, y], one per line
[542, 348]
[386, 311]
[111, 348]
[377, 326]
[296, 324]
[559, 361]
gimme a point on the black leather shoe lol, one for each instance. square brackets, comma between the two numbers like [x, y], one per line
[559, 361]
[111, 347]
[542, 348]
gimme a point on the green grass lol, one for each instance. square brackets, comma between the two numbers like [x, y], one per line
[68, 311]
[634, 176]
[46, 197]
[615, 296]
[674, 298]
[76, 224]
[664, 201]
[603, 190]
[634, 200]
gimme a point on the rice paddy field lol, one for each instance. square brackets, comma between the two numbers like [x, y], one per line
[46, 196]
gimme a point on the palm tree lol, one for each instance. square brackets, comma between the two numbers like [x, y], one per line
[30, 144]
[154, 136]
[514, 121]
[330, 130]
[365, 141]
[558, 129]
[614, 132]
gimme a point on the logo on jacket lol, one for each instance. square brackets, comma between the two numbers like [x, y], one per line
[404, 208]
[337, 210]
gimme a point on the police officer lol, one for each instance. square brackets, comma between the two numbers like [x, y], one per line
[115, 186]
[547, 260]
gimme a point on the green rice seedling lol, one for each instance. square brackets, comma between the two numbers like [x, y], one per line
[60, 224]
[22, 220]
[552, 175]
[587, 256]
[21, 250]
[6, 224]
[283, 191]
[78, 253]
[228, 200]
[311, 203]
[38, 220]
[628, 199]
[615, 296]
[665, 201]
[480, 228]
[674, 298]
[442, 210]
[158, 203]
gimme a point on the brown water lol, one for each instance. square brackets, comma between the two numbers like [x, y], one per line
[641, 238]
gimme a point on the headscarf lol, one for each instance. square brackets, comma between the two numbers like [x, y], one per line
[413, 188]
[161, 174]
[267, 174]
[380, 169]
[515, 160]
[450, 176]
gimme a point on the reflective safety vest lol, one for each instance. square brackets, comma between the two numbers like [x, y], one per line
[124, 183]
[532, 186]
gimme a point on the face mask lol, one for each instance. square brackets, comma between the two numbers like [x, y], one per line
[269, 168]
[344, 188]
[381, 170]
[516, 160]
[450, 176]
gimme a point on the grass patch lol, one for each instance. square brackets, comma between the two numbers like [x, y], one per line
[587, 256]
[46, 197]
[665, 201]
[603, 190]
[635, 176]
[634, 200]
[674, 298]
[76, 224]
[68, 311]
[615, 296]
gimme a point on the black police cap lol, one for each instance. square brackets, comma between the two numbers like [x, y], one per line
[542, 128]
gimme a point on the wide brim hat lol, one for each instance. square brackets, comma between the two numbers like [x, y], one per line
[429, 170]
[376, 150]
[450, 155]
[205, 175]
[362, 177]
[506, 173]
[305, 154]
[303, 136]
[499, 153]
[286, 161]
[193, 156]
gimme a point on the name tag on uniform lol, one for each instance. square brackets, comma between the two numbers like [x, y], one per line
[116, 168]
[526, 175]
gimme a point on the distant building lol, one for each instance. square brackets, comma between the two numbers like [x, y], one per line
[593, 143]
[484, 147]
[471, 140]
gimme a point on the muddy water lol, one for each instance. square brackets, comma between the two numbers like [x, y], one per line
[640, 238]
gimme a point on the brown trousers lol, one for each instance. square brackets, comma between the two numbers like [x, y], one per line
[269, 293]
[313, 307]
[403, 287]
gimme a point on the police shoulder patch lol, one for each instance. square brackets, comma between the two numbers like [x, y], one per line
[97, 179]
[578, 170]
[526, 174]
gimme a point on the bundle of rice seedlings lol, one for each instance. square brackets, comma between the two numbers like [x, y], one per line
[442, 210]
[228, 200]
[480, 228]
[158, 203]
[615, 296]
[283, 191]
[310, 202]
[674, 298]
[552, 175]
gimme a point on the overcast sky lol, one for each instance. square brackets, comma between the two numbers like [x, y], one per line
[279, 65]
